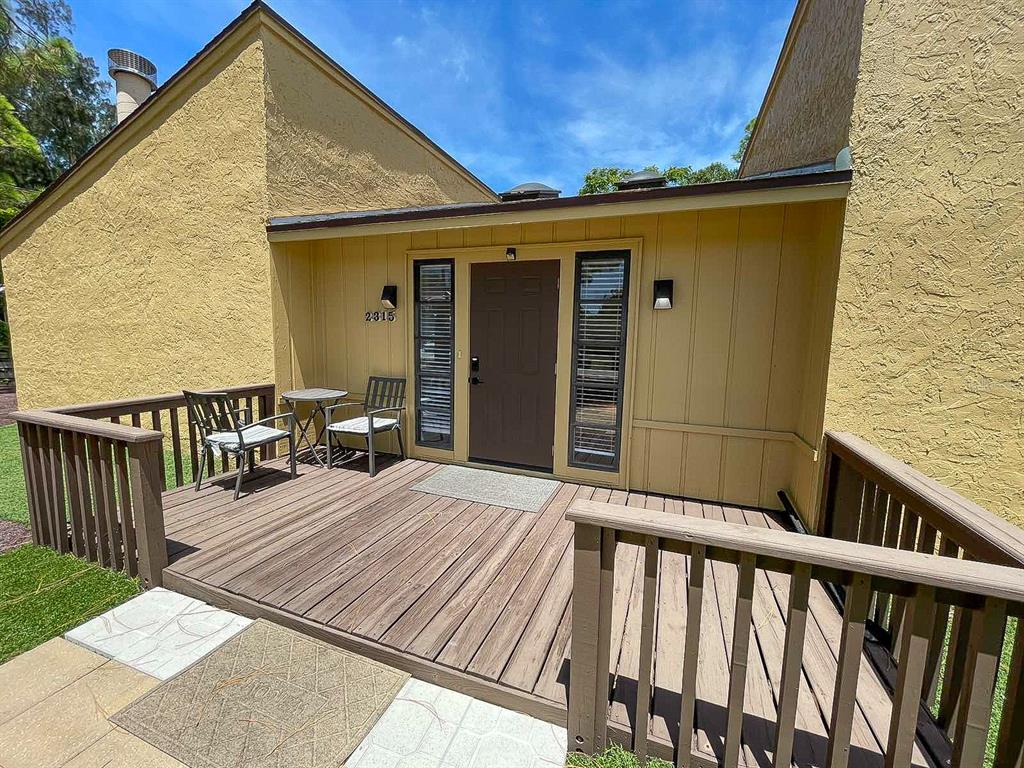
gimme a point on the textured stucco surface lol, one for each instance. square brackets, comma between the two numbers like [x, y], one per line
[928, 345]
[152, 272]
[329, 149]
[154, 275]
[806, 119]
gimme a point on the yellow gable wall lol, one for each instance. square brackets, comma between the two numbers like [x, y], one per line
[726, 394]
[152, 274]
[149, 269]
[331, 148]
[806, 115]
[928, 359]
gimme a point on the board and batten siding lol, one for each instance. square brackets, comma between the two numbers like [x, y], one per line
[725, 393]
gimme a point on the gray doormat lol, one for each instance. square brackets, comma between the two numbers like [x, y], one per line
[267, 698]
[499, 489]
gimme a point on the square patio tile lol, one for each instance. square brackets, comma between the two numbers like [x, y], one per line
[119, 749]
[31, 677]
[55, 730]
[431, 727]
[159, 632]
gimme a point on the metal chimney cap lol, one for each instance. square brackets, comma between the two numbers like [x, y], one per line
[532, 190]
[123, 60]
[642, 180]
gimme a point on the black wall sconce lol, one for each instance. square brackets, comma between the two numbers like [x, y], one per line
[510, 254]
[663, 294]
[389, 297]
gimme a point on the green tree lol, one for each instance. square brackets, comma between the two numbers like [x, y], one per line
[737, 156]
[52, 92]
[604, 179]
[23, 169]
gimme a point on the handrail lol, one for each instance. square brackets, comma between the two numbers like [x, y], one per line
[143, 404]
[85, 426]
[983, 535]
[980, 595]
[828, 557]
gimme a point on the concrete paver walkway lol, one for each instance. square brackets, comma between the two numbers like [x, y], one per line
[56, 700]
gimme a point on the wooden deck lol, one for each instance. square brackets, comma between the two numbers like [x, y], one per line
[478, 598]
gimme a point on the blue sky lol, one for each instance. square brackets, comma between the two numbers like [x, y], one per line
[516, 91]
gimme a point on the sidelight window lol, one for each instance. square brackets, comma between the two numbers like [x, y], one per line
[599, 356]
[435, 352]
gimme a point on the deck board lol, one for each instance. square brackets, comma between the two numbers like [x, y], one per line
[481, 595]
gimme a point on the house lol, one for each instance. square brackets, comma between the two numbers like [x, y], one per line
[663, 353]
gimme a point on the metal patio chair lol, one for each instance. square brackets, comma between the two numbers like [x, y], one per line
[383, 395]
[221, 428]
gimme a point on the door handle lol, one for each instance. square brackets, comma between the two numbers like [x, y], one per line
[474, 380]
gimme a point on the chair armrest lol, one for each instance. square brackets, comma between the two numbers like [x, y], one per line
[329, 410]
[287, 416]
[384, 410]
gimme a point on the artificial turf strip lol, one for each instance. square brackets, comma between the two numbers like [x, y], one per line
[613, 757]
[44, 594]
[13, 503]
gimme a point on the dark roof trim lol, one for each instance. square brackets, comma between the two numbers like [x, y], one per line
[353, 218]
[256, 5]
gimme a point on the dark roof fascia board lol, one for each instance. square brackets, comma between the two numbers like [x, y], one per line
[426, 213]
[147, 106]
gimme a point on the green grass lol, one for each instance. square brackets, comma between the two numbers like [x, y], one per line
[13, 504]
[44, 594]
[613, 757]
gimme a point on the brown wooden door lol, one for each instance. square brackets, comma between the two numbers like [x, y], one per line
[513, 333]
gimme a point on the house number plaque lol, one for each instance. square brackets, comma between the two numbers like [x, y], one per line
[385, 316]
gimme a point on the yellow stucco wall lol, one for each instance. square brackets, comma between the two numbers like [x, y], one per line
[725, 396]
[928, 352]
[149, 270]
[151, 274]
[331, 148]
[806, 115]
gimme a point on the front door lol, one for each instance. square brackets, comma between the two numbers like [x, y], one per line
[513, 335]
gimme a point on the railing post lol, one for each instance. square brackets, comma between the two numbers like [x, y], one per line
[1010, 742]
[592, 587]
[144, 460]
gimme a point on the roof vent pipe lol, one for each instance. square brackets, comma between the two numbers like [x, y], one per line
[134, 76]
[533, 190]
[642, 180]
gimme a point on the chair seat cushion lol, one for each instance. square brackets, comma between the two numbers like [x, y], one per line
[251, 436]
[361, 425]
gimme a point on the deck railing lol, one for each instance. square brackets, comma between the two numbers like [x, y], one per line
[920, 588]
[94, 483]
[872, 498]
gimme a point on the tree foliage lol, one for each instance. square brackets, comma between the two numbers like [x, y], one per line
[604, 179]
[55, 106]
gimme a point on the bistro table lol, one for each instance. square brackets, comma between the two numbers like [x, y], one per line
[320, 397]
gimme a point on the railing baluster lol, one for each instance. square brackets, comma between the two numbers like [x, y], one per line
[124, 506]
[57, 486]
[106, 503]
[691, 653]
[918, 621]
[75, 512]
[956, 660]
[643, 694]
[30, 461]
[155, 416]
[851, 644]
[179, 477]
[908, 542]
[740, 654]
[979, 681]
[81, 491]
[849, 496]
[1010, 740]
[102, 533]
[792, 664]
[948, 548]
